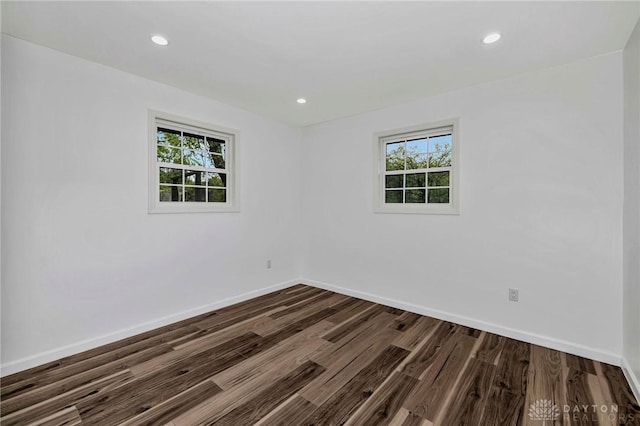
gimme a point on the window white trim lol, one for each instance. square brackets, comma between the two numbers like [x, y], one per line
[205, 129]
[380, 139]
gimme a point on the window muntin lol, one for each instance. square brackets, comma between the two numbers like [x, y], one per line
[416, 171]
[192, 167]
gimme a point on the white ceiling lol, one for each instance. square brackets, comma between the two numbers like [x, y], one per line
[344, 57]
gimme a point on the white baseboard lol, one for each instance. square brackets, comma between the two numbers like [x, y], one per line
[561, 345]
[549, 342]
[632, 378]
[84, 345]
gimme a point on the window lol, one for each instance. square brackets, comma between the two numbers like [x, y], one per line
[416, 169]
[192, 166]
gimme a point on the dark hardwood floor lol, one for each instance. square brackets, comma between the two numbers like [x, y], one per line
[305, 356]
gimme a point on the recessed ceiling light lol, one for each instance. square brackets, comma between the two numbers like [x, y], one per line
[301, 101]
[159, 40]
[491, 38]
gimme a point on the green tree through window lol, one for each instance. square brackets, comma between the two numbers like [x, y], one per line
[417, 171]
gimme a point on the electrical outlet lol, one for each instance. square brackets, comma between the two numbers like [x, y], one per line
[269, 264]
[513, 294]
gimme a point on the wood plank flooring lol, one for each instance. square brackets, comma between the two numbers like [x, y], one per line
[306, 356]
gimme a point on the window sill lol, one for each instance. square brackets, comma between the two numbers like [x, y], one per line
[404, 209]
[155, 209]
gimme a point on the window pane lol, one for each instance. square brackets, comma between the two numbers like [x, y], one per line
[194, 158]
[393, 181]
[414, 195]
[216, 145]
[416, 161]
[169, 155]
[440, 143]
[207, 159]
[395, 156]
[217, 195]
[217, 161]
[438, 179]
[440, 151]
[440, 159]
[194, 142]
[417, 146]
[395, 148]
[193, 177]
[194, 194]
[197, 158]
[216, 179]
[168, 137]
[168, 175]
[415, 180]
[440, 195]
[393, 196]
[170, 193]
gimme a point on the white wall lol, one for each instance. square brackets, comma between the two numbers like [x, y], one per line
[81, 256]
[631, 245]
[541, 183]
[541, 209]
[0, 182]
